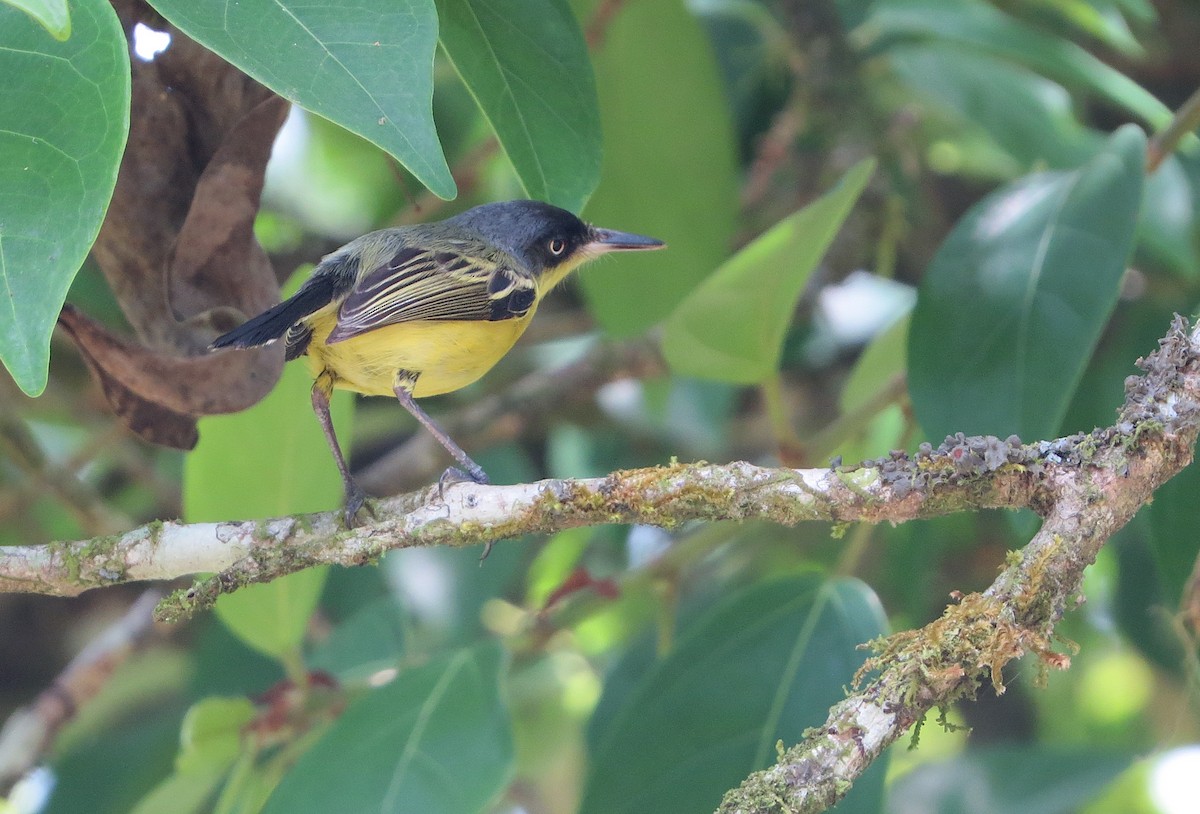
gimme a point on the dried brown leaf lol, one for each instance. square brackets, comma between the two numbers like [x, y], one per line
[178, 246]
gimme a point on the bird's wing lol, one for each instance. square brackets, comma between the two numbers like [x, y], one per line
[419, 284]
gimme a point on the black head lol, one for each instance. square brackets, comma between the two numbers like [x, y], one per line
[544, 237]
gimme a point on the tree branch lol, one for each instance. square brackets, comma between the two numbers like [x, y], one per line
[1099, 485]
[894, 490]
[963, 474]
[1085, 487]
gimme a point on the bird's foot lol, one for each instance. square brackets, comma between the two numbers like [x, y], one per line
[473, 474]
[453, 475]
[356, 504]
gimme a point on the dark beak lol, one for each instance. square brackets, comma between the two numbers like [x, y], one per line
[610, 240]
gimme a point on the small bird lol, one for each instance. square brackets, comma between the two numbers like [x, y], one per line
[426, 309]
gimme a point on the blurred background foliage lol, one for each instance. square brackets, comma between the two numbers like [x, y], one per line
[637, 669]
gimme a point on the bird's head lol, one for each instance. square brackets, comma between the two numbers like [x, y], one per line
[550, 241]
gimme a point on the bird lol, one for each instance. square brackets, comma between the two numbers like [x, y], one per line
[426, 309]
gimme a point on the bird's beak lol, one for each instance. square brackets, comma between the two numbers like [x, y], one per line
[610, 240]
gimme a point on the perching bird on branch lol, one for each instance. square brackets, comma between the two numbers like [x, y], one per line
[426, 309]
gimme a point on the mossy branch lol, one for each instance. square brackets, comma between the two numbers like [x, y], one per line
[966, 474]
[1104, 478]
[1084, 486]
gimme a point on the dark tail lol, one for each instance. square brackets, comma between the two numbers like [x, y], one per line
[273, 323]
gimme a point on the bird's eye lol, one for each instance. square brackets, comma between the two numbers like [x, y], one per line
[557, 246]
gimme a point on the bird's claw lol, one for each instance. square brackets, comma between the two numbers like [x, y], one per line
[473, 474]
[454, 475]
[356, 502]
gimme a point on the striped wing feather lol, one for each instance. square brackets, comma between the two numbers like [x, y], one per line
[421, 285]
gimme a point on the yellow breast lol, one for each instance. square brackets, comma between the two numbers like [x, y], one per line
[444, 355]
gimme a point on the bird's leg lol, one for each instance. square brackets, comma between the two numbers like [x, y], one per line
[405, 381]
[356, 498]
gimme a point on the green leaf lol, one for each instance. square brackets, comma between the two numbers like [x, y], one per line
[1026, 115]
[978, 25]
[557, 558]
[272, 617]
[183, 793]
[1173, 536]
[367, 65]
[669, 162]
[732, 327]
[879, 364]
[371, 638]
[64, 117]
[1141, 607]
[1015, 299]
[752, 47]
[110, 773]
[212, 733]
[1142, 11]
[1166, 224]
[760, 667]
[53, 15]
[879, 369]
[1052, 780]
[527, 67]
[1101, 19]
[211, 740]
[436, 739]
[268, 461]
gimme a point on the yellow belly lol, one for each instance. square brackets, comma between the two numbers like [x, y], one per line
[445, 355]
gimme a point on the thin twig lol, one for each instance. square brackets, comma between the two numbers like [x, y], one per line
[1185, 121]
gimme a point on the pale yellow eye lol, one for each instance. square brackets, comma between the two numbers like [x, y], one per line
[557, 246]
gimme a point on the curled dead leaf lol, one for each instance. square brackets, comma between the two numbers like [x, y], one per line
[177, 246]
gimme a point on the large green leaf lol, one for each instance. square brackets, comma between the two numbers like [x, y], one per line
[436, 740]
[272, 617]
[64, 117]
[669, 162]
[1026, 115]
[760, 667]
[263, 462]
[367, 65]
[1025, 779]
[979, 25]
[528, 68]
[1144, 612]
[1167, 225]
[1173, 535]
[53, 15]
[371, 638]
[1013, 304]
[732, 327]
